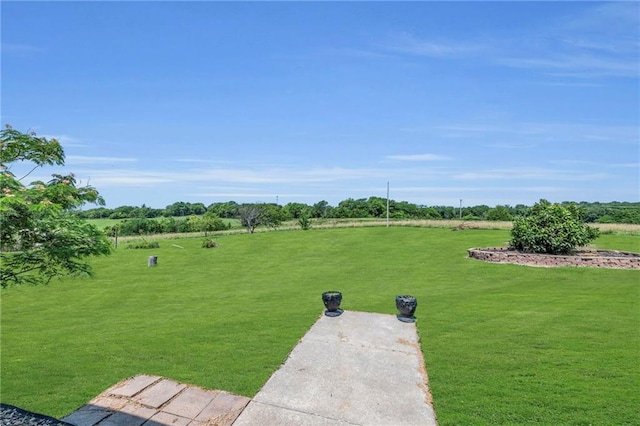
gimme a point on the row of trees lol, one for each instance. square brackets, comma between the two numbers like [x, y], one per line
[166, 225]
[372, 207]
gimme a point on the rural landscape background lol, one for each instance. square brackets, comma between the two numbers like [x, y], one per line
[250, 147]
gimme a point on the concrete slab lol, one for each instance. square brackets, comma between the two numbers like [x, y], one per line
[163, 418]
[223, 409]
[358, 368]
[190, 402]
[108, 401]
[263, 414]
[134, 385]
[159, 393]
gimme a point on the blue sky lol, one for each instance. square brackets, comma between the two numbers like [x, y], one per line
[489, 102]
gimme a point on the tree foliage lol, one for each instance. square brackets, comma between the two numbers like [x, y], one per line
[499, 213]
[253, 215]
[39, 238]
[551, 229]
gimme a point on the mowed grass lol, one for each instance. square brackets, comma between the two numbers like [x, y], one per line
[503, 344]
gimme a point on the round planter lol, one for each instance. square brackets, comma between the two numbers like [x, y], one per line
[332, 300]
[406, 305]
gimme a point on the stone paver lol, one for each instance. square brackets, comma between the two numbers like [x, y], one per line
[88, 415]
[131, 415]
[133, 386]
[163, 418]
[191, 402]
[159, 393]
[153, 401]
[224, 409]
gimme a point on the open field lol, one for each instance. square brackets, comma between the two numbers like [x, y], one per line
[503, 344]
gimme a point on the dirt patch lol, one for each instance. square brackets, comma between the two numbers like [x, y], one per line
[592, 258]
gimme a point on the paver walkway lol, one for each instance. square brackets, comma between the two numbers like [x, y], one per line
[153, 400]
[356, 369]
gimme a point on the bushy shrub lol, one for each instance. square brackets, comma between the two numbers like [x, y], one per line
[209, 243]
[551, 229]
[305, 222]
[143, 244]
[499, 213]
[139, 226]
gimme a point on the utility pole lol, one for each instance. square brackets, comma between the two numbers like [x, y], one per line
[460, 208]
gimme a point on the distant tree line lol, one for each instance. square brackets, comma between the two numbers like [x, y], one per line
[198, 217]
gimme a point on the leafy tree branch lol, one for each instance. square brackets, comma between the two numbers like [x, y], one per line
[39, 236]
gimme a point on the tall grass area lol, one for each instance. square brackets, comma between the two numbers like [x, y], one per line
[503, 344]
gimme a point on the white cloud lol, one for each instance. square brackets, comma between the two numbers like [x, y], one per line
[251, 195]
[19, 48]
[510, 145]
[529, 174]
[406, 43]
[65, 140]
[597, 41]
[228, 175]
[473, 189]
[538, 132]
[418, 157]
[576, 65]
[82, 159]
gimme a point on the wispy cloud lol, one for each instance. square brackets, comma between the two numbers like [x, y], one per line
[409, 44]
[65, 140]
[472, 189]
[418, 157]
[535, 133]
[529, 174]
[18, 48]
[513, 145]
[231, 175]
[81, 159]
[599, 41]
[565, 64]
[252, 195]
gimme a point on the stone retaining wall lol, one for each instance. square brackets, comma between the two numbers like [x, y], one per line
[597, 259]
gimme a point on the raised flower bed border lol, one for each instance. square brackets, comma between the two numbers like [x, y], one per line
[594, 258]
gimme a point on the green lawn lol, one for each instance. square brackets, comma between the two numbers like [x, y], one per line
[503, 344]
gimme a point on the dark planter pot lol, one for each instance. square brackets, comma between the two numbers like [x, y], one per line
[406, 305]
[332, 300]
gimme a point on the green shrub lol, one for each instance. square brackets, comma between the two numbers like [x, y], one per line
[304, 222]
[499, 213]
[209, 243]
[551, 229]
[143, 244]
